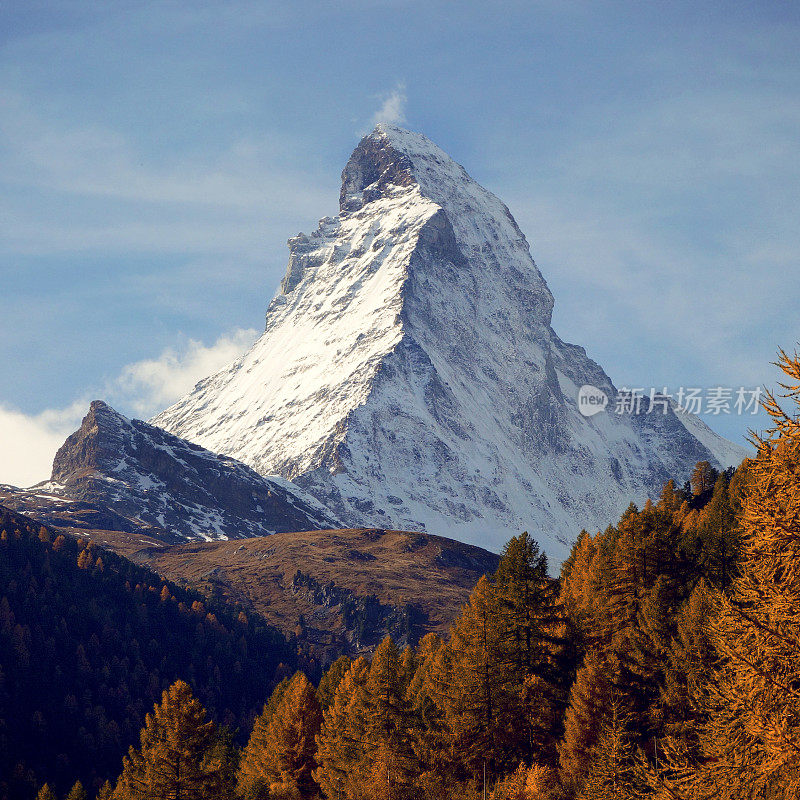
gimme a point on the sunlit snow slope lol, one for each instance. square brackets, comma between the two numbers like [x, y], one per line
[408, 376]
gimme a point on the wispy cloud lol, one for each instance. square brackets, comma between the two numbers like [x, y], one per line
[393, 107]
[150, 385]
[140, 389]
[122, 199]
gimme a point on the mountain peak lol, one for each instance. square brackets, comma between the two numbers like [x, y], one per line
[391, 157]
[96, 443]
[374, 166]
[144, 473]
[409, 377]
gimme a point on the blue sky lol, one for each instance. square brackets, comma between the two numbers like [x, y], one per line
[155, 157]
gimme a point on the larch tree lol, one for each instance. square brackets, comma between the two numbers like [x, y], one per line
[280, 756]
[407, 667]
[478, 696]
[589, 703]
[251, 779]
[77, 792]
[614, 772]
[387, 751]
[340, 742]
[752, 741]
[431, 739]
[703, 477]
[106, 791]
[330, 680]
[176, 759]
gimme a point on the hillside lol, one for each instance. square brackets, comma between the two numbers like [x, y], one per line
[88, 641]
[340, 591]
[355, 585]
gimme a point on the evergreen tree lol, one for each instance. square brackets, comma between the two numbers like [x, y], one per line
[526, 597]
[718, 536]
[176, 758]
[533, 644]
[46, 793]
[279, 758]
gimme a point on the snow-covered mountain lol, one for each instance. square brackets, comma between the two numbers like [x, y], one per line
[131, 476]
[409, 377]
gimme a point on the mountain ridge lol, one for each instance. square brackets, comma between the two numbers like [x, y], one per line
[130, 476]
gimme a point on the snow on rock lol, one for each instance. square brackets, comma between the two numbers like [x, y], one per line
[408, 376]
[147, 475]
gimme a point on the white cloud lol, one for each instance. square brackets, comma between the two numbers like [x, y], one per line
[148, 386]
[393, 108]
[29, 442]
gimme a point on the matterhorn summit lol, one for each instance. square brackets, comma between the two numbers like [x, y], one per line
[408, 376]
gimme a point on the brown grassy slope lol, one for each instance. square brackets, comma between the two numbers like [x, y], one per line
[356, 585]
[418, 582]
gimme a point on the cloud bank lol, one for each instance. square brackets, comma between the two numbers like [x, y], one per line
[141, 389]
[148, 386]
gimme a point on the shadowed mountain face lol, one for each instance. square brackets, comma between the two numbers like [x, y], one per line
[120, 474]
[409, 377]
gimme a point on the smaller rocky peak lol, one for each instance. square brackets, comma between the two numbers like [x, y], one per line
[101, 414]
[97, 441]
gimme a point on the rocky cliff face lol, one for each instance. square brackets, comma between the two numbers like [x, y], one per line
[170, 488]
[409, 376]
